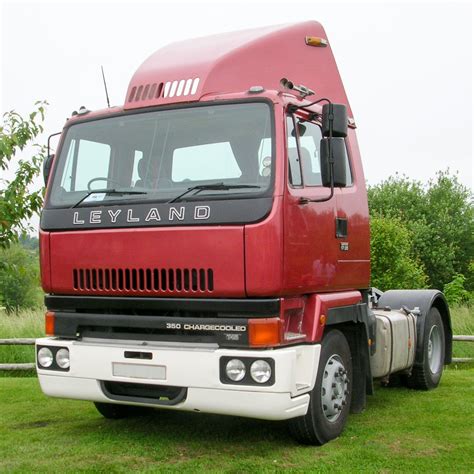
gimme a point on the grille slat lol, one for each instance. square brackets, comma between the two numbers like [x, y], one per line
[145, 280]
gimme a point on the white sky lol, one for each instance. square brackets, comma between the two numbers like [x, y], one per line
[406, 66]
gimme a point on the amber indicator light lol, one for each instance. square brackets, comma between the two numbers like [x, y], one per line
[264, 332]
[49, 323]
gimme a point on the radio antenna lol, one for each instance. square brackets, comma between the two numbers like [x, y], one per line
[105, 87]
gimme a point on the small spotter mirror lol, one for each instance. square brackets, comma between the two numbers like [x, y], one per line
[266, 163]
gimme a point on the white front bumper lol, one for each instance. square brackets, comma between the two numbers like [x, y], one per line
[193, 367]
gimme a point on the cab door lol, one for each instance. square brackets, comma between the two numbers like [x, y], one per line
[311, 248]
[352, 223]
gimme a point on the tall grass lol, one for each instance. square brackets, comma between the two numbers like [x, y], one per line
[26, 323]
[462, 320]
[30, 323]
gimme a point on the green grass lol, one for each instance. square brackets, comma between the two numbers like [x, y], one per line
[401, 430]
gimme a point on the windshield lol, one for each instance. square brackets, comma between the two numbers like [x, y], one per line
[222, 151]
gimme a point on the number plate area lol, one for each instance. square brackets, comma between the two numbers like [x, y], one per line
[139, 371]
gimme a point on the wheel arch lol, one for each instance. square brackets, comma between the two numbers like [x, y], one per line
[424, 300]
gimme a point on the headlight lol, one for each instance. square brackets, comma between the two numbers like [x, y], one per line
[261, 371]
[235, 370]
[45, 357]
[62, 358]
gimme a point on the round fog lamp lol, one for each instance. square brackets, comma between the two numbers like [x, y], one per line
[235, 370]
[45, 357]
[261, 371]
[62, 358]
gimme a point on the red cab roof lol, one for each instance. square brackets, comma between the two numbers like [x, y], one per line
[231, 62]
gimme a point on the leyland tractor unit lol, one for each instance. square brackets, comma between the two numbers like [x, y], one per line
[205, 246]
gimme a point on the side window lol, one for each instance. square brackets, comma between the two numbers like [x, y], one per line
[294, 171]
[310, 138]
[309, 146]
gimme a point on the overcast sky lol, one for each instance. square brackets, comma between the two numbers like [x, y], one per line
[406, 66]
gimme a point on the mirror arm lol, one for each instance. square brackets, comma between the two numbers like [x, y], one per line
[48, 159]
[49, 140]
[293, 108]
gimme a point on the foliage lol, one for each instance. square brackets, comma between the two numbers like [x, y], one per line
[29, 242]
[17, 203]
[392, 260]
[455, 292]
[440, 219]
[19, 278]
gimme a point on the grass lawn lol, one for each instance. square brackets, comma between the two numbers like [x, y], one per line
[402, 430]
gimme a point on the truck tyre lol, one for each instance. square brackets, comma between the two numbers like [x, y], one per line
[330, 398]
[114, 411]
[428, 375]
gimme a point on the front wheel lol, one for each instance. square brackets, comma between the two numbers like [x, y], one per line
[330, 398]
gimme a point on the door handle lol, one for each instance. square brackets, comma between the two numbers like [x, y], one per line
[341, 227]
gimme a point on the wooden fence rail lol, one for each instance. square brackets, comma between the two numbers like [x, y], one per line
[17, 342]
[31, 342]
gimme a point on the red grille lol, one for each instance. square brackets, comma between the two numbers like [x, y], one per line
[186, 280]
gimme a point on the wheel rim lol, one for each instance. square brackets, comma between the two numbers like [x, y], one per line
[435, 345]
[334, 388]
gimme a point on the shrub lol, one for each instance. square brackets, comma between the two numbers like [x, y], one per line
[455, 292]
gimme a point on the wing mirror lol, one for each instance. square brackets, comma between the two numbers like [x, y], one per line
[338, 151]
[333, 148]
[47, 163]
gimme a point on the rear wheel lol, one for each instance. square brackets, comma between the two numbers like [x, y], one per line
[427, 375]
[115, 411]
[331, 396]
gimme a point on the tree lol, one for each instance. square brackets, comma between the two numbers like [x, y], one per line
[392, 259]
[17, 203]
[439, 218]
[19, 278]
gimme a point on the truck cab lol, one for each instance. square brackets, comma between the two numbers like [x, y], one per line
[206, 246]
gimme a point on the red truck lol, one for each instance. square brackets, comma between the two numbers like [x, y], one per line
[206, 247]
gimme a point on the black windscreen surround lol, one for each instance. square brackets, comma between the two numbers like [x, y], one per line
[149, 157]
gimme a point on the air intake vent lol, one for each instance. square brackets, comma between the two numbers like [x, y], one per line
[181, 87]
[147, 92]
[151, 280]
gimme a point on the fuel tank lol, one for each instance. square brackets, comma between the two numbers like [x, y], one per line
[395, 342]
[174, 262]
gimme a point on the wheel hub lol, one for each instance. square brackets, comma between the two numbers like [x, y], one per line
[334, 388]
[435, 350]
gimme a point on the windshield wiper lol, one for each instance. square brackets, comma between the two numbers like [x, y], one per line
[107, 191]
[212, 187]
